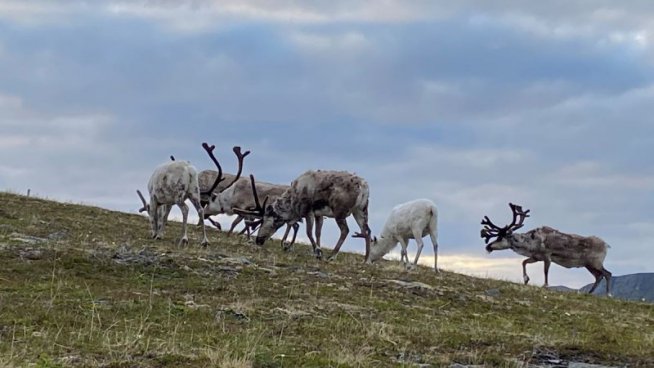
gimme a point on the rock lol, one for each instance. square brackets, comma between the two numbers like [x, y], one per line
[28, 239]
[59, 235]
[411, 284]
[31, 254]
[493, 293]
[321, 274]
[232, 313]
[237, 261]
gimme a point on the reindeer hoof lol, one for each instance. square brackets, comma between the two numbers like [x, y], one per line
[318, 253]
[286, 246]
[526, 278]
[183, 242]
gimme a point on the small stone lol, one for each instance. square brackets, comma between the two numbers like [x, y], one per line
[411, 284]
[493, 293]
[31, 254]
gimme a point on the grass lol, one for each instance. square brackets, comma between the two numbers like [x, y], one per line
[91, 289]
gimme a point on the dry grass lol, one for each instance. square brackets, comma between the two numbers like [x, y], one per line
[83, 286]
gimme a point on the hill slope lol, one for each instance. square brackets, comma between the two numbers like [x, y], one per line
[86, 286]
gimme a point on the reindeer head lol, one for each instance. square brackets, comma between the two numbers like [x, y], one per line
[503, 234]
[215, 205]
[266, 215]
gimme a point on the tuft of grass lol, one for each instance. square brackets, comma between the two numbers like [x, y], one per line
[85, 286]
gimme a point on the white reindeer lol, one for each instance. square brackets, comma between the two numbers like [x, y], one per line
[336, 194]
[172, 183]
[548, 245]
[411, 220]
[241, 195]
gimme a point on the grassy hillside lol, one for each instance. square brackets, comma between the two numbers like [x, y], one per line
[84, 286]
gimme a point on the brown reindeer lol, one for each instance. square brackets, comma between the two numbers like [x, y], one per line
[548, 245]
[312, 195]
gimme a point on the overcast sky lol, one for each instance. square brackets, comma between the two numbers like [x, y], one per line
[470, 103]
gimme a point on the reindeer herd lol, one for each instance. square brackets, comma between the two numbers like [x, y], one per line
[316, 194]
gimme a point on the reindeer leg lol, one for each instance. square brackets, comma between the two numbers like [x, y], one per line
[184, 240]
[417, 235]
[216, 224]
[296, 228]
[434, 242]
[404, 257]
[319, 220]
[236, 221]
[546, 269]
[598, 277]
[316, 249]
[154, 218]
[288, 230]
[524, 268]
[361, 217]
[342, 224]
[198, 207]
[164, 219]
[607, 276]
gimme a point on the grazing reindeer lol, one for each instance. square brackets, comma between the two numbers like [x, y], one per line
[548, 245]
[410, 220]
[241, 195]
[172, 183]
[336, 194]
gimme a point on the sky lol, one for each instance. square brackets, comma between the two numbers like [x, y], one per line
[472, 104]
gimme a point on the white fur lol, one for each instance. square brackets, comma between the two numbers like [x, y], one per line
[172, 183]
[411, 220]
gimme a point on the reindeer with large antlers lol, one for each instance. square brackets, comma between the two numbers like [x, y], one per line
[241, 195]
[548, 245]
[174, 182]
[314, 194]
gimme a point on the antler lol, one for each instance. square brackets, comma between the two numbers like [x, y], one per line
[219, 178]
[146, 206]
[491, 230]
[172, 158]
[259, 209]
[518, 214]
[240, 156]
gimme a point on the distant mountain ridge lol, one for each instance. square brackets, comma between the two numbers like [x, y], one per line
[637, 286]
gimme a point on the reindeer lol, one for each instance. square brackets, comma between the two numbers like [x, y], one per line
[411, 220]
[336, 194]
[548, 245]
[241, 195]
[171, 184]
